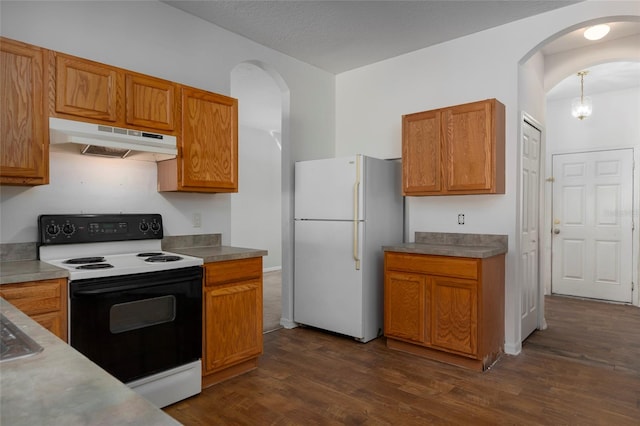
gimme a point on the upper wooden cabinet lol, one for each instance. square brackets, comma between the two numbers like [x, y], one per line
[208, 147]
[87, 89]
[455, 150]
[90, 91]
[151, 102]
[24, 133]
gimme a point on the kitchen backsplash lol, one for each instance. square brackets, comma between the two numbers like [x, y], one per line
[450, 238]
[182, 241]
[18, 251]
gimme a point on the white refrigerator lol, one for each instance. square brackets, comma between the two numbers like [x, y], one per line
[346, 209]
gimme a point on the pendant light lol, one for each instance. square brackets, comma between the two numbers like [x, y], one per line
[582, 107]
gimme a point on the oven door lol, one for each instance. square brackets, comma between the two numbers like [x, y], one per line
[137, 325]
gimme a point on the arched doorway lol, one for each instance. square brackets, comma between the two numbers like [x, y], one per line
[260, 210]
[550, 67]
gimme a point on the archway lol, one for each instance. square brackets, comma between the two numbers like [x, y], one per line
[533, 69]
[261, 211]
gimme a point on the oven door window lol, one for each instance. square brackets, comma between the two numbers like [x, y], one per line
[142, 313]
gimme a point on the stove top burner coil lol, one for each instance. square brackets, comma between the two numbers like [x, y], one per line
[95, 266]
[150, 253]
[81, 260]
[163, 258]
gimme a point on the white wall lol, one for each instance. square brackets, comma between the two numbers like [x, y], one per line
[159, 40]
[256, 208]
[371, 100]
[615, 123]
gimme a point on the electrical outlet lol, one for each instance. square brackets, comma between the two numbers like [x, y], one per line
[196, 220]
[461, 219]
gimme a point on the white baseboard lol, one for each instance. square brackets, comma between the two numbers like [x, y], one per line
[513, 349]
[288, 323]
[272, 269]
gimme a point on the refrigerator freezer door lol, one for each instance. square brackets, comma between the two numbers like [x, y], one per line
[330, 189]
[328, 289]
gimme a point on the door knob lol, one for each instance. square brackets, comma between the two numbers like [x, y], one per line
[556, 231]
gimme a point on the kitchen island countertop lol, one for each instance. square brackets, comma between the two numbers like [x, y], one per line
[60, 386]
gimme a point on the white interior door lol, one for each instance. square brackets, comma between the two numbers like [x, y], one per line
[529, 239]
[592, 229]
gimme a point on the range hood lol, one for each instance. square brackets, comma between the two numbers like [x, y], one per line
[108, 141]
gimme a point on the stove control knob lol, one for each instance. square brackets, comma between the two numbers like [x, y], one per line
[144, 226]
[155, 226]
[68, 229]
[53, 230]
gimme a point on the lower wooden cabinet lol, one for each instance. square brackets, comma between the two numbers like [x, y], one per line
[232, 324]
[44, 301]
[446, 308]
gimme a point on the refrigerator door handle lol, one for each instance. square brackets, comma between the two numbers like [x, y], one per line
[356, 215]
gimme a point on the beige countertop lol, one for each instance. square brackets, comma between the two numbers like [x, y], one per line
[478, 246]
[479, 252]
[60, 386]
[220, 253]
[29, 270]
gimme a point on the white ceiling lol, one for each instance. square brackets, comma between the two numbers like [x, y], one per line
[338, 36]
[341, 35]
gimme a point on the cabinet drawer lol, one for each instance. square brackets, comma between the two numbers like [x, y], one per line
[432, 265]
[232, 270]
[35, 297]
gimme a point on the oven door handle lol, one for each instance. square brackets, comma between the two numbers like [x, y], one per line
[117, 289]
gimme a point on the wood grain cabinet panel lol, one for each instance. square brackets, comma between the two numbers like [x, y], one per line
[151, 102]
[87, 89]
[406, 306]
[44, 301]
[454, 317]
[462, 318]
[24, 133]
[208, 153]
[421, 157]
[455, 150]
[232, 332]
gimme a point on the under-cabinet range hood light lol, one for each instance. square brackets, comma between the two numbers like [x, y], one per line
[108, 141]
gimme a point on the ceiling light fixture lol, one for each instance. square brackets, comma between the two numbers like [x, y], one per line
[582, 107]
[596, 32]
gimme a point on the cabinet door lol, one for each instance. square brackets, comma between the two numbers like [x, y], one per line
[421, 153]
[44, 301]
[24, 135]
[469, 145]
[233, 324]
[209, 143]
[87, 89]
[150, 102]
[454, 314]
[406, 302]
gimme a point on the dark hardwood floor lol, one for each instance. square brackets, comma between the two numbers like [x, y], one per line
[583, 370]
